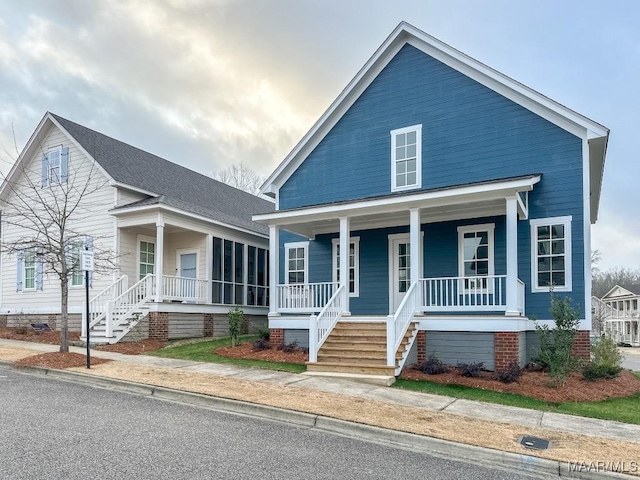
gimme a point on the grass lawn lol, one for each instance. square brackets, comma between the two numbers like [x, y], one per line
[203, 352]
[625, 410]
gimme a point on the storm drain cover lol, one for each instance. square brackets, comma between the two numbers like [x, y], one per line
[535, 443]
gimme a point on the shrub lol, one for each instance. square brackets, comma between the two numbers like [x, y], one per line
[473, 370]
[289, 347]
[22, 330]
[236, 322]
[556, 344]
[512, 373]
[606, 360]
[432, 366]
[261, 344]
[263, 333]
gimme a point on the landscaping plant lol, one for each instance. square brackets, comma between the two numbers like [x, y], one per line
[606, 360]
[473, 370]
[263, 333]
[432, 366]
[288, 347]
[236, 322]
[512, 373]
[556, 343]
[261, 344]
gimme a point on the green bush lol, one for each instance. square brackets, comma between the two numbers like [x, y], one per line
[606, 360]
[236, 323]
[556, 344]
[264, 333]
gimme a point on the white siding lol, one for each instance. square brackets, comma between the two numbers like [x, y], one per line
[127, 196]
[192, 241]
[92, 219]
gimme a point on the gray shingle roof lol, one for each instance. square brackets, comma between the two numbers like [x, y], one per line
[178, 186]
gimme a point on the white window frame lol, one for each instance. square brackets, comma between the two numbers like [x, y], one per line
[394, 134]
[58, 150]
[335, 242]
[142, 238]
[187, 251]
[29, 252]
[287, 247]
[481, 227]
[568, 258]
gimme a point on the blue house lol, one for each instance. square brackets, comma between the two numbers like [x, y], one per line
[431, 210]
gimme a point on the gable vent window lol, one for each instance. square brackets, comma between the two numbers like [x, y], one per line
[406, 158]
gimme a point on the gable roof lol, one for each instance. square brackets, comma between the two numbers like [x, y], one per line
[596, 134]
[626, 290]
[168, 183]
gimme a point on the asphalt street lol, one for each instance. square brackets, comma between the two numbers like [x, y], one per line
[51, 429]
[631, 358]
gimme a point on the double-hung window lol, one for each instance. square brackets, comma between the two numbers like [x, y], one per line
[30, 271]
[353, 265]
[475, 255]
[551, 254]
[406, 158]
[296, 262]
[147, 257]
[55, 161]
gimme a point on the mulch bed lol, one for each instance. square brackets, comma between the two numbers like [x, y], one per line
[30, 335]
[535, 385]
[58, 360]
[133, 348]
[245, 350]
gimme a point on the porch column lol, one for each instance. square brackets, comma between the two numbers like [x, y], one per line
[274, 268]
[158, 267]
[344, 259]
[512, 257]
[209, 259]
[414, 239]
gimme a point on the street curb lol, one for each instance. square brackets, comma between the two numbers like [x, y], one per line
[432, 446]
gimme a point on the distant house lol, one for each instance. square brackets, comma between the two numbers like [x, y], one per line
[616, 314]
[430, 210]
[185, 245]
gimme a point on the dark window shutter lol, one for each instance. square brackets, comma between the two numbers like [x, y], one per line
[45, 170]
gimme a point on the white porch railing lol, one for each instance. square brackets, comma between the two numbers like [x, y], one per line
[98, 304]
[321, 325]
[126, 304]
[183, 289]
[397, 324]
[626, 331]
[487, 293]
[304, 297]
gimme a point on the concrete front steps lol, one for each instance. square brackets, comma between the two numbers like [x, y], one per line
[357, 348]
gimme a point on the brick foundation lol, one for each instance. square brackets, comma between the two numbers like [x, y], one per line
[207, 330]
[276, 336]
[421, 341]
[159, 326]
[582, 345]
[507, 349]
[4, 320]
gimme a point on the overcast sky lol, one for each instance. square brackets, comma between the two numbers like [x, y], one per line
[209, 83]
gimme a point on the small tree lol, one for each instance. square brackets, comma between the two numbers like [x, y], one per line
[556, 344]
[236, 322]
[44, 214]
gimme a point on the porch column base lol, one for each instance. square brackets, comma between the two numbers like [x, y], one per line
[276, 336]
[273, 314]
[421, 341]
[506, 349]
[512, 313]
[582, 345]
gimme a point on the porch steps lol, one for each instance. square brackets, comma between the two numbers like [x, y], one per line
[99, 332]
[359, 347]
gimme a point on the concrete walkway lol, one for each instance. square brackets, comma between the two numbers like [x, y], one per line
[481, 410]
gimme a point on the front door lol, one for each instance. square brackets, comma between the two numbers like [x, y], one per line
[399, 270]
[188, 270]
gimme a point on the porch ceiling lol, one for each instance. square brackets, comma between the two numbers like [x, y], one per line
[468, 201]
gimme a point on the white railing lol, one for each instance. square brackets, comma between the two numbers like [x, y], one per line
[98, 304]
[488, 293]
[320, 326]
[625, 331]
[397, 324]
[520, 305]
[121, 309]
[304, 297]
[183, 289]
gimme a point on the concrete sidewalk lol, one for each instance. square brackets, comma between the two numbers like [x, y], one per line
[485, 411]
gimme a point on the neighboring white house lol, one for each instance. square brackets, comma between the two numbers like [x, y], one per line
[616, 314]
[184, 244]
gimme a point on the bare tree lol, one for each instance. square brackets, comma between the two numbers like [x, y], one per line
[603, 281]
[44, 214]
[240, 176]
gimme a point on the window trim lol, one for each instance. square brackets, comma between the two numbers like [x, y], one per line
[394, 133]
[26, 253]
[144, 238]
[287, 247]
[57, 148]
[187, 251]
[568, 257]
[479, 227]
[356, 263]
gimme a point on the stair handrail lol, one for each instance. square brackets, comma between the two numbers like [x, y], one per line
[321, 325]
[98, 304]
[121, 307]
[398, 324]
